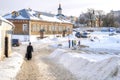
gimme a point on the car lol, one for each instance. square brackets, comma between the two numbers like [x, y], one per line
[77, 34]
[15, 42]
[84, 36]
[118, 31]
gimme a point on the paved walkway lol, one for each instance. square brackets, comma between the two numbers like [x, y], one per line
[42, 68]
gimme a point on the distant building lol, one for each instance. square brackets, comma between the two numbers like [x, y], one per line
[30, 24]
[60, 15]
[115, 13]
[6, 28]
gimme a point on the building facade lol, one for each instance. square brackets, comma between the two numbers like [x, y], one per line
[31, 24]
[6, 28]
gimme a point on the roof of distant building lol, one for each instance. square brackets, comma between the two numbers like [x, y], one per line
[29, 14]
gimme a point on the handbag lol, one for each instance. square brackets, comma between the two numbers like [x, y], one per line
[26, 55]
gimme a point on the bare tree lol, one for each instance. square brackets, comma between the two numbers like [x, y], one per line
[82, 19]
[117, 21]
[99, 16]
[90, 15]
[109, 20]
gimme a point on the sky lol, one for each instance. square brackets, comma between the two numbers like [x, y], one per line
[69, 7]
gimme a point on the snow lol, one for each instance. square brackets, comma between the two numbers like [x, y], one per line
[99, 61]
[89, 66]
[1, 18]
[18, 17]
[103, 40]
[10, 66]
[33, 16]
[53, 19]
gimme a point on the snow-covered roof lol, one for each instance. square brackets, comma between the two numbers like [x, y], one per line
[29, 14]
[6, 21]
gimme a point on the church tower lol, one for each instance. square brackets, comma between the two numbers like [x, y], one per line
[59, 9]
[60, 15]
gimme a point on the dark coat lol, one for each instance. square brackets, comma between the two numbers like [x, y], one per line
[29, 52]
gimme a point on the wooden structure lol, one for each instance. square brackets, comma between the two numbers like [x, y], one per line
[30, 22]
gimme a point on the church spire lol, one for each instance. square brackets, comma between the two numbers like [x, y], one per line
[59, 9]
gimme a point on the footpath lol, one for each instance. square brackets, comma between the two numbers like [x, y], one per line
[41, 67]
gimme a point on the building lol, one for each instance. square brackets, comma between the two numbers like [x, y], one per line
[60, 15]
[115, 13]
[6, 28]
[32, 25]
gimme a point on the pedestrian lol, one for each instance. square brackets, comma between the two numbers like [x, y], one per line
[79, 43]
[29, 51]
[72, 43]
[69, 42]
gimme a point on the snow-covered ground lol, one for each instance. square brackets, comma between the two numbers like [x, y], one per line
[89, 66]
[99, 61]
[10, 67]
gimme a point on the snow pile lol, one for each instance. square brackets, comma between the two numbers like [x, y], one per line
[10, 67]
[102, 40]
[89, 67]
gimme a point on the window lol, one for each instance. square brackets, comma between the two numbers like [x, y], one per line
[25, 27]
[53, 28]
[68, 28]
[63, 27]
[41, 27]
[49, 28]
[38, 27]
[60, 28]
[44, 27]
[33, 27]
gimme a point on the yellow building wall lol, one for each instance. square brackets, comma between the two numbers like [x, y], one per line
[3, 30]
[19, 26]
[35, 26]
[50, 27]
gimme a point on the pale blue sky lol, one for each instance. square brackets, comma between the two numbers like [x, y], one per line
[70, 7]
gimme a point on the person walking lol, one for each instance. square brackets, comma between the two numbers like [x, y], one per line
[72, 43]
[69, 42]
[29, 51]
[79, 43]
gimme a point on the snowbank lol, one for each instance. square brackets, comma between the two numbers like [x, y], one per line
[102, 40]
[89, 66]
[10, 67]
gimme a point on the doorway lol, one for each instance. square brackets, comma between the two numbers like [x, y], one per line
[6, 46]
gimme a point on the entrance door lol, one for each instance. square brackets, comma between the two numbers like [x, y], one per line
[6, 46]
